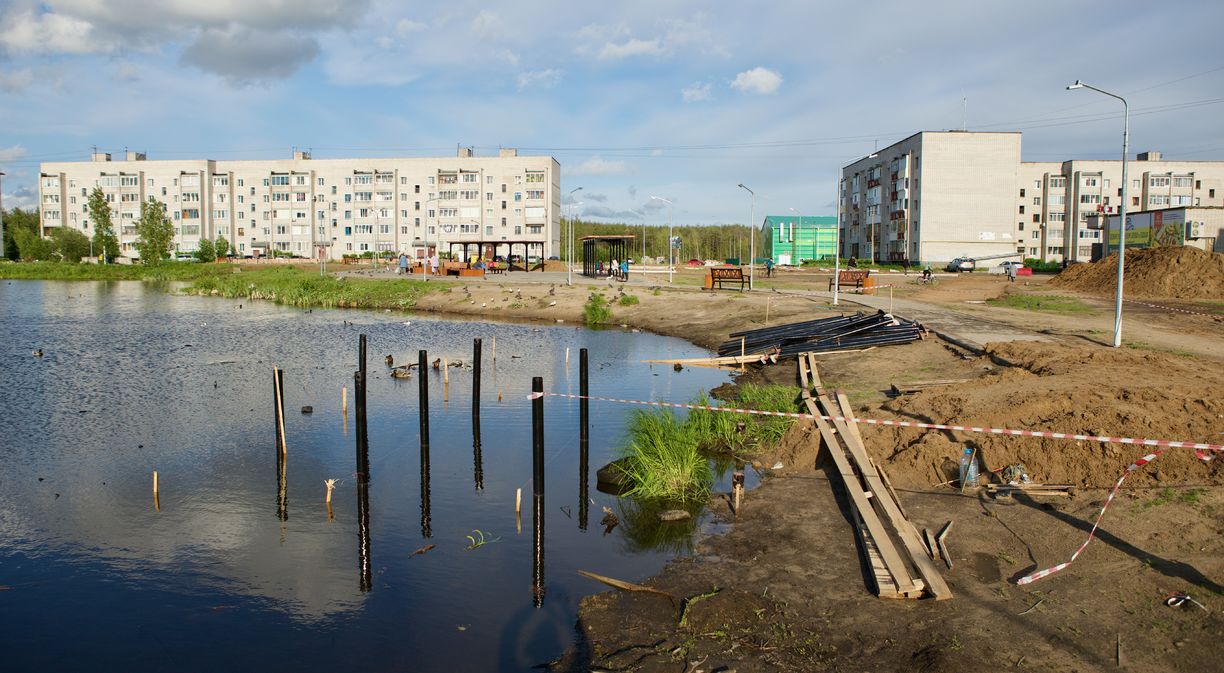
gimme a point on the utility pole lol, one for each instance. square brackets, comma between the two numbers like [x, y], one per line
[2, 256]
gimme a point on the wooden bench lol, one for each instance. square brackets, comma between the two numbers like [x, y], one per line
[726, 274]
[495, 268]
[853, 277]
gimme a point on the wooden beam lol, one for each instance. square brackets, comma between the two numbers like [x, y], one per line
[904, 530]
[848, 412]
[858, 500]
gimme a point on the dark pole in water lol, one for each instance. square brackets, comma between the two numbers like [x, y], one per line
[423, 387]
[477, 460]
[537, 483]
[363, 471]
[278, 404]
[584, 440]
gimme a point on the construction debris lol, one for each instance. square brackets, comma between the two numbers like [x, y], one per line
[853, 332]
[901, 563]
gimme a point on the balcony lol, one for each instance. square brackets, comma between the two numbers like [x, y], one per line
[873, 183]
[896, 215]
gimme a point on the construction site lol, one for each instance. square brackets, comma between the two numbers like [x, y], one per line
[976, 478]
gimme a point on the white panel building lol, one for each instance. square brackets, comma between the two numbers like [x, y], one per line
[304, 206]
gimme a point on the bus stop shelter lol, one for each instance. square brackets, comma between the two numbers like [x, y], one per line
[490, 250]
[596, 249]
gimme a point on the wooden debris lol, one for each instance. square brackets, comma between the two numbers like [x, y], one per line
[943, 549]
[916, 386]
[628, 586]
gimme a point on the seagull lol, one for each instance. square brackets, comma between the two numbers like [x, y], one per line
[37, 353]
[552, 303]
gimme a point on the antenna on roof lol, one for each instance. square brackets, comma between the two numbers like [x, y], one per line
[964, 113]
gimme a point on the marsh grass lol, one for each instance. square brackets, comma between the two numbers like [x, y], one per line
[166, 271]
[672, 458]
[300, 287]
[596, 311]
[1037, 302]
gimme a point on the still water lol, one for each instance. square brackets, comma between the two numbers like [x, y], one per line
[230, 572]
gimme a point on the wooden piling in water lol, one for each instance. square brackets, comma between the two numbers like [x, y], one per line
[477, 458]
[359, 386]
[584, 439]
[156, 497]
[445, 370]
[537, 454]
[494, 349]
[344, 401]
[278, 408]
[423, 388]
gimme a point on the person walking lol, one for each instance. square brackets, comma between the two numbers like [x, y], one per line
[769, 267]
[624, 269]
[1011, 273]
[403, 264]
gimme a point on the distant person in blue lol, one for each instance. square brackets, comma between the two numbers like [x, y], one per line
[624, 270]
[403, 264]
[769, 267]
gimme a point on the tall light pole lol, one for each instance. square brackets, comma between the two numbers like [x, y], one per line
[837, 239]
[751, 235]
[1117, 340]
[425, 239]
[570, 270]
[671, 210]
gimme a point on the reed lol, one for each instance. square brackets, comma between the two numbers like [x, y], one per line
[667, 462]
[596, 311]
[295, 286]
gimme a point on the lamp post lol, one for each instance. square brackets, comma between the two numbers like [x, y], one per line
[837, 239]
[425, 239]
[671, 210]
[2, 221]
[1117, 339]
[570, 270]
[795, 246]
[752, 236]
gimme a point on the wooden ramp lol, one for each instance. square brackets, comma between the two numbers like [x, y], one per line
[901, 564]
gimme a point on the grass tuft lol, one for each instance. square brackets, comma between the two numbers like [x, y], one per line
[1036, 302]
[596, 311]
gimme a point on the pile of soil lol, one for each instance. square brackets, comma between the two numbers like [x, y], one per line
[1169, 271]
[1062, 388]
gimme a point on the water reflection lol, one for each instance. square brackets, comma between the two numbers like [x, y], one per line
[643, 530]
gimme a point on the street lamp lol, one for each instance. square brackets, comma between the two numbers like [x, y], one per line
[671, 210]
[425, 238]
[837, 238]
[570, 271]
[752, 235]
[2, 221]
[1117, 340]
[794, 245]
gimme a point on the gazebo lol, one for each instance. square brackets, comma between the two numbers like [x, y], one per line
[488, 250]
[604, 249]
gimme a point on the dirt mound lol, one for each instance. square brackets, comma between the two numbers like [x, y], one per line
[1072, 389]
[1168, 271]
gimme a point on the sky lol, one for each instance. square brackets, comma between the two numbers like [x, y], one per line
[682, 100]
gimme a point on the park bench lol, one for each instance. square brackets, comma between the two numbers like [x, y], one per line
[495, 268]
[726, 274]
[852, 277]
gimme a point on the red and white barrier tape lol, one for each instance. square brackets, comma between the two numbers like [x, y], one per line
[1091, 534]
[914, 424]
[1170, 308]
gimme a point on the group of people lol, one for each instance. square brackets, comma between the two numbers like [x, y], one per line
[432, 261]
[615, 269]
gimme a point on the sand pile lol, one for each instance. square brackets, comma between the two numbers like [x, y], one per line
[1081, 390]
[1169, 271]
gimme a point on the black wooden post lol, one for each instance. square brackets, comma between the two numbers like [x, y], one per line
[423, 386]
[537, 481]
[477, 461]
[584, 439]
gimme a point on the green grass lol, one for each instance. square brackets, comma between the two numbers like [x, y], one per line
[1143, 346]
[303, 287]
[628, 300]
[167, 271]
[596, 311]
[1035, 302]
[667, 462]
[1167, 496]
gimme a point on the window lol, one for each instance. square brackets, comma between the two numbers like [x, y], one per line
[1021, 226]
[1022, 193]
[504, 223]
[518, 196]
[1037, 184]
[1090, 198]
[535, 177]
[471, 177]
[1211, 193]
[403, 180]
[1158, 181]
[1090, 182]
[363, 196]
[1058, 216]
[1135, 201]
[488, 196]
[1036, 200]
[1036, 219]
[503, 205]
[220, 181]
[280, 180]
[1058, 182]
[363, 179]
[1158, 200]
[469, 195]
[535, 193]
[348, 214]
[448, 194]
[431, 179]
[518, 231]
[416, 189]
[403, 213]
[1135, 184]
[1021, 210]
[488, 179]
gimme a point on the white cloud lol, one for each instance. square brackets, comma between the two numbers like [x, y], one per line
[25, 32]
[542, 79]
[12, 153]
[487, 26]
[241, 55]
[757, 80]
[606, 213]
[634, 47]
[405, 27]
[695, 93]
[16, 80]
[24, 197]
[598, 166]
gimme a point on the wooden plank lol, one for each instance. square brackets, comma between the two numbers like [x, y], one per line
[858, 500]
[803, 371]
[943, 548]
[932, 545]
[884, 585]
[901, 526]
[848, 412]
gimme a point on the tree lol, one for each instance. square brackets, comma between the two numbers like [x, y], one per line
[154, 232]
[18, 220]
[222, 246]
[69, 244]
[106, 244]
[31, 246]
[207, 252]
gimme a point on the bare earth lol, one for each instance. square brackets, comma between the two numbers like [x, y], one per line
[792, 594]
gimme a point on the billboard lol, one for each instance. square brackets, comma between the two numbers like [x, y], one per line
[1145, 230]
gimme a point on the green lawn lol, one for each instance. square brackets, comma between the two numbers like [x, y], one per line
[1038, 302]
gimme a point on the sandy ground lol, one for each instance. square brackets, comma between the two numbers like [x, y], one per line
[792, 590]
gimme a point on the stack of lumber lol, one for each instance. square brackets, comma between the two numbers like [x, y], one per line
[853, 332]
[901, 563]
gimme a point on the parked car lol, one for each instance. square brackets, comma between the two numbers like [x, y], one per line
[554, 258]
[961, 264]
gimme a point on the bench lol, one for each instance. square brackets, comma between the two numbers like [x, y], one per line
[854, 278]
[726, 274]
[495, 268]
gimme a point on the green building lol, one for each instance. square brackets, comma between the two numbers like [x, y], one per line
[795, 238]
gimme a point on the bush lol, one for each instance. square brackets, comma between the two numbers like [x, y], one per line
[596, 310]
[1038, 265]
[206, 252]
[628, 300]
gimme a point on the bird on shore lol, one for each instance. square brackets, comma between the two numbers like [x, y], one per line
[390, 361]
[37, 353]
[437, 363]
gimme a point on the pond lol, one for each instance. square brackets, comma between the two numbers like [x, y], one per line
[239, 564]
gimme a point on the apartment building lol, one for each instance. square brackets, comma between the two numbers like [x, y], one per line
[939, 195]
[308, 207]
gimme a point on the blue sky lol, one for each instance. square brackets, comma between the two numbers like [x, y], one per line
[676, 99]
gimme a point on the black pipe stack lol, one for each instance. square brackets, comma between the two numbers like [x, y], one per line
[584, 439]
[826, 334]
[537, 486]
